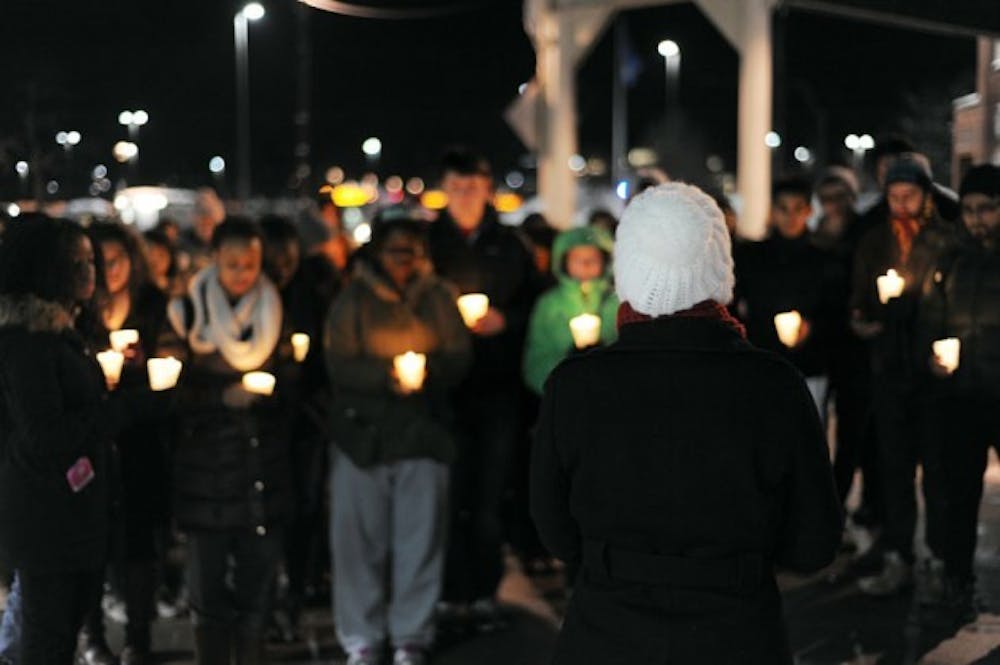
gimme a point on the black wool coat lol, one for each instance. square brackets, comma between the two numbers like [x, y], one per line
[677, 467]
[54, 410]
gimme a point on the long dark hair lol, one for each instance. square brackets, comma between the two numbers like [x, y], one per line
[116, 232]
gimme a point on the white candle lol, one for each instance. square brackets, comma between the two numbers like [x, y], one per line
[261, 383]
[788, 325]
[111, 364]
[122, 339]
[948, 352]
[586, 330]
[411, 369]
[163, 372]
[300, 346]
[473, 307]
[890, 285]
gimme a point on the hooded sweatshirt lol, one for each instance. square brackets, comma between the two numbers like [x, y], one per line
[549, 337]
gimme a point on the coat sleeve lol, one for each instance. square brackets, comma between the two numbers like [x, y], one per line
[810, 534]
[542, 351]
[52, 436]
[452, 359]
[551, 485]
[347, 364]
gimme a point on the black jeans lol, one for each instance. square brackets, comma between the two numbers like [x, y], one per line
[902, 410]
[53, 608]
[241, 606]
[966, 425]
[490, 424]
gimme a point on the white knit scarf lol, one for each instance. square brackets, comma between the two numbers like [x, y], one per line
[220, 326]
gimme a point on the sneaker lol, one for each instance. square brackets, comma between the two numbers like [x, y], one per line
[409, 656]
[893, 578]
[362, 657]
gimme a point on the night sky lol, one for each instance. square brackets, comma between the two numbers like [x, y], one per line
[421, 85]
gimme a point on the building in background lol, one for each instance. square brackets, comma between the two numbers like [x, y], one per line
[976, 126]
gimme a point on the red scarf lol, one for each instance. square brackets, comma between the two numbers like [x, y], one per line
[706, 309]
[905, 231]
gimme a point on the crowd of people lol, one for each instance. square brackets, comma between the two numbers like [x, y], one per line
[399, 423]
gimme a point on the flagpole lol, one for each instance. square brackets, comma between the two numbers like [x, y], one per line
[619, 106]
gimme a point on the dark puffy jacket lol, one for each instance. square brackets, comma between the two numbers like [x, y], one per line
[892, 349]
[782, 274]
[676, 514]
[962, 299]
[54, 409]
[496, 262]
[231, 468]
[369, 324]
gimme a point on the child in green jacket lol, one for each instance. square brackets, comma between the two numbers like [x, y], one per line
[581, 262]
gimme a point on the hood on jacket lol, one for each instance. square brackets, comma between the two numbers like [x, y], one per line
[580, 237]
[34, 314]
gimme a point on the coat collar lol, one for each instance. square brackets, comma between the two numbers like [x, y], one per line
[34, 314]
[682, 333]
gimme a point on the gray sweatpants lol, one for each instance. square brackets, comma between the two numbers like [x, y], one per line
[389, 520]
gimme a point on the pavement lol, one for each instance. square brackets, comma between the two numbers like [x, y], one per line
[829, 621]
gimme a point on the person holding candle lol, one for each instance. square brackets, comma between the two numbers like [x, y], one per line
[787, 272]
[910, 241]
[308, 286]
[133, 303]
[393, 442]
[473, 250]
[581, 262]
[674, 567]
[962, 300]
[231, 475]
[59, 421]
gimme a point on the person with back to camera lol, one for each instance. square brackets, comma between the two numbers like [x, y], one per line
[678, 466]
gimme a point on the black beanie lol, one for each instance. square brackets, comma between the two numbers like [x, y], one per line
[982, 179]
[908, 170]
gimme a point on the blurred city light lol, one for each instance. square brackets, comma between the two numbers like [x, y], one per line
[668, 48]
[13, 210]
[100, 171]
[217, 164]
[772, 140]
[394, 184]
[52, 187]
[350, 195]
[335, 175]
[21, 168]
[362, 233]
[125, 151]
[254, 11]
[434, 199]
[515, 180]
[852, 142]
[415, 186]
[62, 138]
[73, 138]
[140, 118]
[622, 190]
[507, 202]
[866, 142]
[577, 163]
[803, 154]
[125, 118]
[372, 147]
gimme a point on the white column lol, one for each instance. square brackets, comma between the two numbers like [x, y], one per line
[557, 130]
[753, 156]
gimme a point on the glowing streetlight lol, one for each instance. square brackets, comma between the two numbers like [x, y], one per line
[22, 168]
[852, 142]
[372, 147]
[803, 154]
[668, 48]
[125, 151]
[772, 140]
[13, 210]
[62, 138]
[253, 11]
[73, 138]
[217, 165]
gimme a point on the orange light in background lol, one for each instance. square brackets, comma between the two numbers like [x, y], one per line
[350, 195]
[507, 202]
[434, 199]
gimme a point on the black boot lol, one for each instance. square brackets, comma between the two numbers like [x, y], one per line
[213, 645]
[250, 648]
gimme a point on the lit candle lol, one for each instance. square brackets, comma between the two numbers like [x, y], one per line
[300, 346]
[111, 364]
[122, 339]
[788, 325]
[261, 383]
[163, 372]
[586, 330]
[890, 285]
[411, 369]
[473, 307]
[948, 352]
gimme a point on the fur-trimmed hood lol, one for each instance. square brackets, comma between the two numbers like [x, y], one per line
[34, 314]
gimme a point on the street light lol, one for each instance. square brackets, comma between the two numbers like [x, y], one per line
[859, 145]
[253, 11]
[372, 147]
[671, 53]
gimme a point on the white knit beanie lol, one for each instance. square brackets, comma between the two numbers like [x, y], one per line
[672, 251]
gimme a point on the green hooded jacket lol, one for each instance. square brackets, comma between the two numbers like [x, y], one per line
[549, 337]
